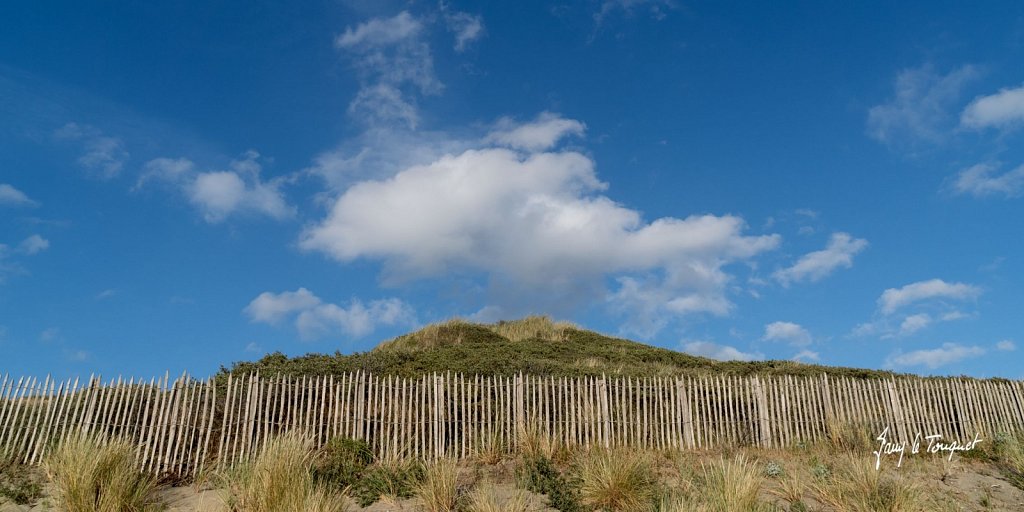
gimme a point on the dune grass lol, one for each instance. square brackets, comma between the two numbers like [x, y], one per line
[90, 476]
[439, 491]
[280, 480]
[620, 480]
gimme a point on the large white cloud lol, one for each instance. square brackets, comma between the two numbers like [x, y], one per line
[816, 265]
[1002, 109]
[893, 299]
[316, 319]
[219, 194]
[948, 353]
[536, 219]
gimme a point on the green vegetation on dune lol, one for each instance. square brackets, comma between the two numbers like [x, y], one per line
[533, 345]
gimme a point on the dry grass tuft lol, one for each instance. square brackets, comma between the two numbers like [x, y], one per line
[486, 499]
[856, 486]
[281, 480]
[439, 489]
[490, 448]
[532, 327]
[731, 485]
[621, 480]
[88, 476]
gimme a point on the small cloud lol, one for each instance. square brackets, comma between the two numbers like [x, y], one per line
[807, 355]
[787, 332]
[76, 355]
[719, 352]
[466, 27]
[919, 108]
[896, 298]
[948, 353]
[540, 134]
[219, 194]
[914, 323]
[816, 265]
[33, 245]
[1004, 109]
[50, 334]
[380, 31]
[1006, 346]
[982, 180]
[657, 9]
[315, 319]
[10, 196]
[254, 348]
[102, 154]
[106, 294]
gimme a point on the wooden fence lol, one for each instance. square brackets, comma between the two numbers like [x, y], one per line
[180, 427]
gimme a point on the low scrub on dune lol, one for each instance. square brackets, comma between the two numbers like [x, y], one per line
[281, 479]
[534, 345]
[91, 476]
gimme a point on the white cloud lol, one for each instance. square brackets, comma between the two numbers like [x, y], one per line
[719, 352]
[914, 323]
[220, 194]
[656, 8]
[816, 265]
[466, 27]
[380, 31]
[316, 319]
[541, 134]
[390, 54]
[33, 245]
[787, 332]
[893, 299]
[383, 103]
[807, 355]
[101, 154]
[254, 348]
[10, 196]
[537, 221]
[1006, 346]
[271, 308]
[106, 294]
[1003, 109]
[919, 109]
[981, 180]
[50, 334]
[948, 353]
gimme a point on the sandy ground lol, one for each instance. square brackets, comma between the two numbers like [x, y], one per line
[968, 487]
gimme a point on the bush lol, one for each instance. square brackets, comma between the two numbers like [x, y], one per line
[393, 480]
[90, 477]
[18, 483]
[620, 480]
[340, 464]
[539, 475]
[281, 480]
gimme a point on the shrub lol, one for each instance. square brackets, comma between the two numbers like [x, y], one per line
[340, 464]
[773, 470]
[397, 479]
[18, 483]
[617, 480]
[88, 476]
[539, 475]
[439, 488]
[281, 480]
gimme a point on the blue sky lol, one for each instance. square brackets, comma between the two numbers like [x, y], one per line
[187, 184]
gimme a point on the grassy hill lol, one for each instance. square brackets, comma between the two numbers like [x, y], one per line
[533, 345]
